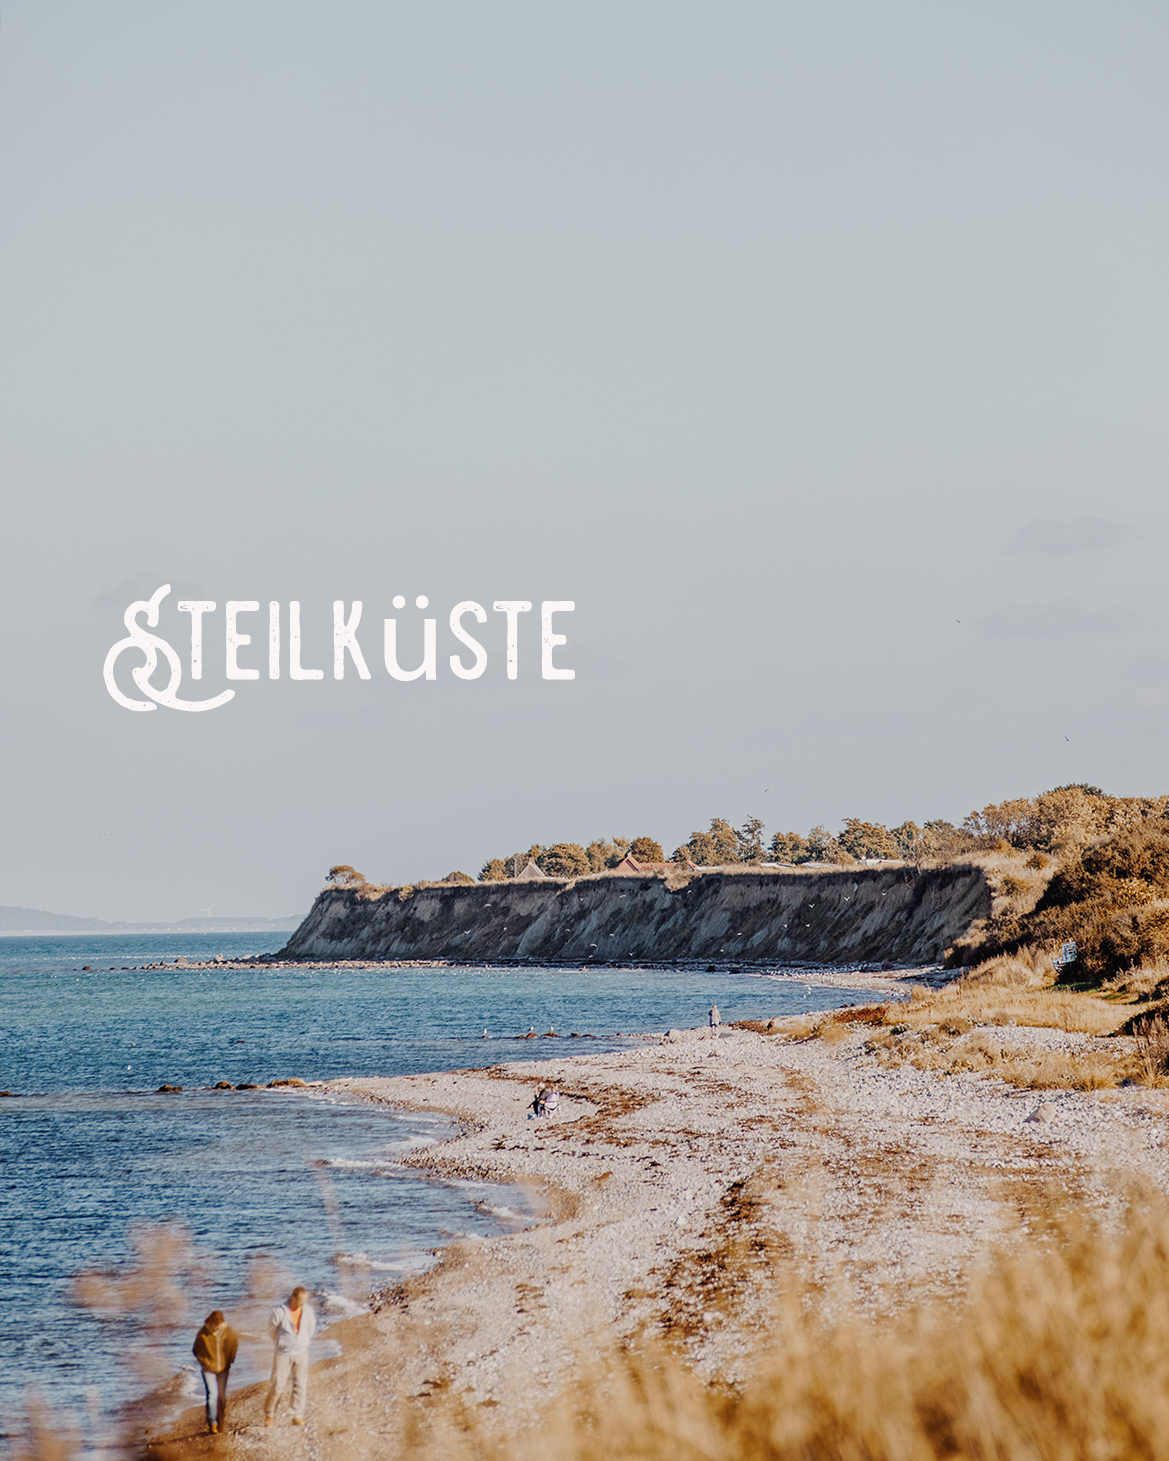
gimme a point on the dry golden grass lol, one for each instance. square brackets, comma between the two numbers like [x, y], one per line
[952, 1030]
[1004, 1004]
[1151, 1038]
[1143, 982]
[980, 1052]
[1026, 969]
[1061, 1353]
[1016, 879]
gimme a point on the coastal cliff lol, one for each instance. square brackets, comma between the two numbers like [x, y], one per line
[854, 915]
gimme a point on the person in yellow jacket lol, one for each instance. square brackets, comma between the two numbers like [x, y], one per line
[215, 1346]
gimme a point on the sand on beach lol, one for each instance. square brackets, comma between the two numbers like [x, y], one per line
[689, 1181]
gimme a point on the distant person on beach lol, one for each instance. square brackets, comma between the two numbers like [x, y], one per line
[291, 1326]
[715, 1018]
[538, 1101]
[215, 1346]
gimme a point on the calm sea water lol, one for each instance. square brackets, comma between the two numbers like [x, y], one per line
[268, 1186]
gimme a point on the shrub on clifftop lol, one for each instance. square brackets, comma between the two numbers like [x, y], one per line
[1111, 900]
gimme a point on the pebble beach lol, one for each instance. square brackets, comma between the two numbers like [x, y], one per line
[688, 1181]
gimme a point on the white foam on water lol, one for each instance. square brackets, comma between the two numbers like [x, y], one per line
[340, 1306]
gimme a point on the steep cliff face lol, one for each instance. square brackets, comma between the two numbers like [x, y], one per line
[855, 915]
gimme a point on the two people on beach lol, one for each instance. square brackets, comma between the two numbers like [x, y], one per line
[546, 1101]
[291, 1327]
[215, 1348]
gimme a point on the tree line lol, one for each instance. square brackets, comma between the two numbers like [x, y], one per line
[1065, 817]
[722, 845]
[570, 859]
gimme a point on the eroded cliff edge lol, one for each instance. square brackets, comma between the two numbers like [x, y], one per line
[854, 915]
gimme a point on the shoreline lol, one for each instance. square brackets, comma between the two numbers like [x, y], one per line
[876, 979]
[690, 1181]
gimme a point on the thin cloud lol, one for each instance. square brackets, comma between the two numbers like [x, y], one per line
[1063, 619]
[1075, 535]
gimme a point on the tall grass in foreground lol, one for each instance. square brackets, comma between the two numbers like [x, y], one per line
[1060, 1352]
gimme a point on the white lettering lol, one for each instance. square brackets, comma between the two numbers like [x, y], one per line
[150, 645]
[196, 608]
[235, 640]
[294, 669]
[345, 638]
[468, 606]
[513, 608]
[549, 641]
[345, 641]
[429, 658]
[274, 640]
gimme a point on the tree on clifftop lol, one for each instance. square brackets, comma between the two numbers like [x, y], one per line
[564, 860]
[645, 849]
[790, 847]
[606, 854]
[867, 839]
[710, 849]
[344, 876]
[825, 848]
[749, 839]
[494, 870]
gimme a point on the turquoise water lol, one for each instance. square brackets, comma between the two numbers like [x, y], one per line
[259, 1180]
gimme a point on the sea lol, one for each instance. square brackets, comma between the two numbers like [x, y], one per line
[127, 1214]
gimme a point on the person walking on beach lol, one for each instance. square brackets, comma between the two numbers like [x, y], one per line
[291, 1326]
[715, 1018]
[215, 1346]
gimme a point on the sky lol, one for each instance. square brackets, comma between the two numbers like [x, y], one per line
[816, 352]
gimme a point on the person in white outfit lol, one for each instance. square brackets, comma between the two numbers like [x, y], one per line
[715, 1018]
[291, 1326]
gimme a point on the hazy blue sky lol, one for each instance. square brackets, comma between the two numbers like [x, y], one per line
[816, 351]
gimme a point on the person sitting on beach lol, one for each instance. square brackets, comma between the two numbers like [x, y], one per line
[215, 1348]
[538, 1102]
[291, 1326]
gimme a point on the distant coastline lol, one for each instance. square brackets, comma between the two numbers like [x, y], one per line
[33, 922]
